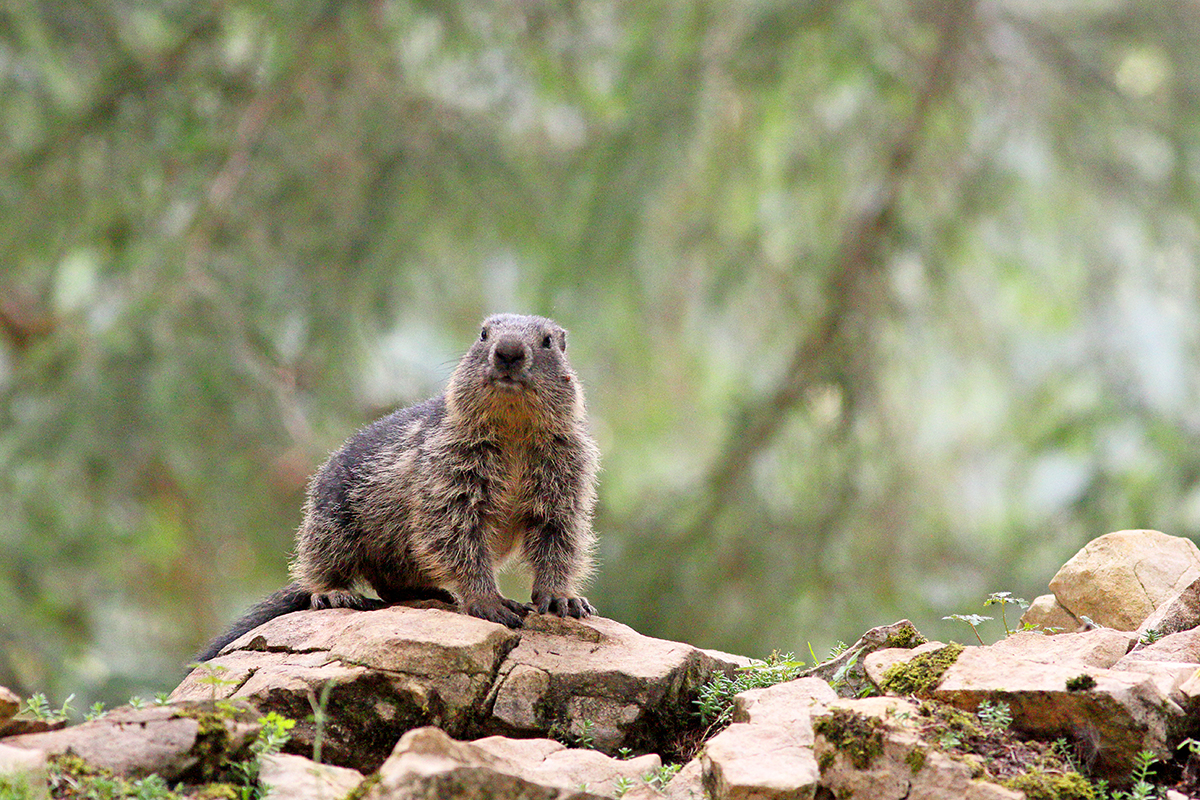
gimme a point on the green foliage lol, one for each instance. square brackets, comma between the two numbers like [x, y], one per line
[715, 703]
[1004, 599]
[994, 716]
[1140, 787]
[319, 717]
[274, 734]
[660, 777]
[1081, 683]
[826, 280]
[39, 708]
[974, 620]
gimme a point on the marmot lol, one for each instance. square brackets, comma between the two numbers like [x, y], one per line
[432, 497]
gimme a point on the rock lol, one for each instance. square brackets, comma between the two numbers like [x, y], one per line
[1180, 613]
[847, 674]
[767, 751]
[1181, 647]
[190, 740]
[565, 674]
[791, 703]
[399, 668]
[1099, 647]
[428, 763]
[9, 703]
[1121, 712]
[23, 770]
[388, 671]
[869, 748]
[290, 776]
[1120, 578]
[551, 763]
[1046, 614]
[688, 783]
[747, 761]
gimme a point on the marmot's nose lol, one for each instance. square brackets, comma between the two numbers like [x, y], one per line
[508, 355]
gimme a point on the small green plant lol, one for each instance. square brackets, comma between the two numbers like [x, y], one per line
[95, 712]
[319, 717]
[715, 704]
[137, 702]
[1004, 599]
[994, 716]
[162, 698]
[274, 734]
[587, 736]
[1150, 636]
[214, 676]
[660, 777]
[974, 620]
[39, 708]
[621, 786]
[624, 753]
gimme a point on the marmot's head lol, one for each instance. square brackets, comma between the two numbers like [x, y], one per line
[517, 372]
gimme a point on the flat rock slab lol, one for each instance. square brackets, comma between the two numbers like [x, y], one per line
[759, 762]
[427, 763]
[291, 776]
[178, 741]
[1099, 647]
[629, 687]
[1124, 712]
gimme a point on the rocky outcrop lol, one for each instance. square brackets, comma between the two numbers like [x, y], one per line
[414, 702]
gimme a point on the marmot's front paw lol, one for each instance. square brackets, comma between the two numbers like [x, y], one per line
[496, 608]
[577, 607]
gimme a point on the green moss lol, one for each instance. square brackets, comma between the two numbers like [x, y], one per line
[920, 674]
[1081, 683]
[907, 638]
[360, 791]
[859, 736]
[1052, 786]
[916, 759]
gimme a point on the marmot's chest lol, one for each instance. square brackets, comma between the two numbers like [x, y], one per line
[512, 497]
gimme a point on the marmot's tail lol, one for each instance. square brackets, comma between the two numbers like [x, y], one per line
[289, 598]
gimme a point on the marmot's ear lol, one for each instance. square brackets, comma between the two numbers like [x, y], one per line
[562, 340]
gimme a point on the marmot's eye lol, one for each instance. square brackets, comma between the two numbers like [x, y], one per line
[546, 341]
[483, 335]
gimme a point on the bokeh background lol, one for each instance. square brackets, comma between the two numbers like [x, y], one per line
[880, 305]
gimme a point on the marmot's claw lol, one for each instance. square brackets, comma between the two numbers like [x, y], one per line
[577, 607]
[496, 609]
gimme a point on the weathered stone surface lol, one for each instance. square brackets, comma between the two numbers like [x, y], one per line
[767, 751]
[9, 703]
[388, 671]
[428, 763]
[688, 783]
[751, 761]
[1119, 579]
[902, 768]
[1181, 647]
[26, 769]
[1180, 613]
[1124, 712]
[178, 741]
[1099, 647]
[289, 776]
[548, 762]
[791, 703]
[1046, 614]
[628, 686]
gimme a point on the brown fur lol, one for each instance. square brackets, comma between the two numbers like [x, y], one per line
[433, 497]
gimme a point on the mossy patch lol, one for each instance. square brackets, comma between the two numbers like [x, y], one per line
[921, 674]
[1039, 785]
[1081, 683]
[907, 637]
[859, 736]
[916, 759]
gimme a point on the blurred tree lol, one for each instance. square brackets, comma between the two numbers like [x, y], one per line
[880, 307]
